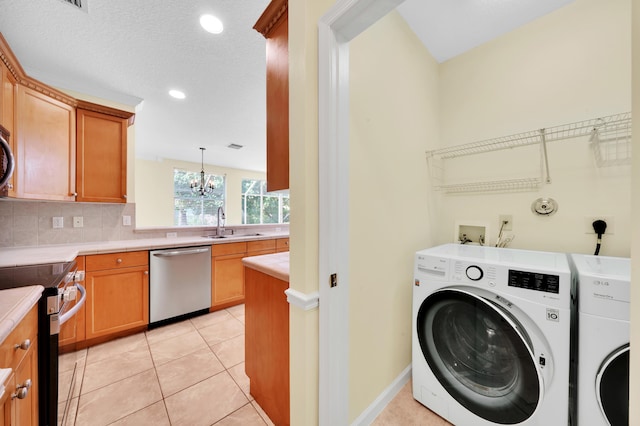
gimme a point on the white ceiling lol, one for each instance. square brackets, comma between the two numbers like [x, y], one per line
[133, 52]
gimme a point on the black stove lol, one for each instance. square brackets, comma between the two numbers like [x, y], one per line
[54, 277]
[47, 275]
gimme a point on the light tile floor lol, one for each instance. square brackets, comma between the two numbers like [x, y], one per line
[187, 373]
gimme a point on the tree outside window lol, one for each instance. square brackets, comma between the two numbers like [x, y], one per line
[189, 207]
[260, 206]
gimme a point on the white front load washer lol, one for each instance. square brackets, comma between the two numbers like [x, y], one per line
[603, 339]
[491, 331]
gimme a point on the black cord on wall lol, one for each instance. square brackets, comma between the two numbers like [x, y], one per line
[599, 226]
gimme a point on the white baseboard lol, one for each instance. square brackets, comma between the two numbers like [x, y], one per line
[369, 415]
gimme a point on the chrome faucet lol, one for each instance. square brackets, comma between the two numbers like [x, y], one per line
[221, 218]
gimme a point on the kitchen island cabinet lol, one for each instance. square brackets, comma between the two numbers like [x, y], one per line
[45, 141]
[273, 24]
[117, 295]
[101, 157]
[19, 351]
[267, 334]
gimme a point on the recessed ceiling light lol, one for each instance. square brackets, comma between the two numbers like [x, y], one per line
[177, 94]
[211, 24]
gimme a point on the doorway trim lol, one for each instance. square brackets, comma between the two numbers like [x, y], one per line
[342, 23]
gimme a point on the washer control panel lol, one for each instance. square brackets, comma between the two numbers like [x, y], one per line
[471, 272]
[534, 281]
[474, 273]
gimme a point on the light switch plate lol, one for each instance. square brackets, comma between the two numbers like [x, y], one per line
[126, 220]
[58, 222]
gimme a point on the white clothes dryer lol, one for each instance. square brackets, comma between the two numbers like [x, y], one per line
[491, 329]
[603, 285]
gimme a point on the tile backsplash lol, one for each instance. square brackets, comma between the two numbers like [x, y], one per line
[30, 223]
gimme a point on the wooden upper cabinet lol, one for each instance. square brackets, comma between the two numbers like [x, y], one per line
[273, 25]
[42, 125]
[101, 157]
[45, 141]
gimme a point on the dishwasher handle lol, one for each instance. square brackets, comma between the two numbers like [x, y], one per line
[180, 252]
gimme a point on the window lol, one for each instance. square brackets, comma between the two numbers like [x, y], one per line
[260, 206]
[190, 208]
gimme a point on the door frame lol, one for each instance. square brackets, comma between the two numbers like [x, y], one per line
[342, 23]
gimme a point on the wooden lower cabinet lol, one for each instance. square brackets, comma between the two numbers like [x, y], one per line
[117, 293]
[282, 244]
[227, 278]
[267, 343]
[227, 271]
[20, 403]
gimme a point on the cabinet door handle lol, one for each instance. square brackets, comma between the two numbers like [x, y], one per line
[24, 345]
[22, 390]
[25, 385]
[20, 393]
[118, 260]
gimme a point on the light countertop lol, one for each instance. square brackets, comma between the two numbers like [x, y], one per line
[20, 256]
[15, 304]
[275, 265]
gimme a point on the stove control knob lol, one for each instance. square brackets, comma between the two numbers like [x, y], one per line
[474, 273]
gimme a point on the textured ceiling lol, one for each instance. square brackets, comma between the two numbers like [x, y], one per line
[134, 51]
[130, 51]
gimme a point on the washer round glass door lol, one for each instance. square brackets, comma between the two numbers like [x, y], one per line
[480, 354]
[612, 384]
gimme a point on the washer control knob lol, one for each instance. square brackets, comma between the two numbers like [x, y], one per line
[474, 273]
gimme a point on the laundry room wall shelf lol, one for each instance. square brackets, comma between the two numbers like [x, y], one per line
[609, 137]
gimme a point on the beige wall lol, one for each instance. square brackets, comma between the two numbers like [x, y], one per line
[634, 380]
[394, 118]
[154, 190]
[303, 172]
[571, 65]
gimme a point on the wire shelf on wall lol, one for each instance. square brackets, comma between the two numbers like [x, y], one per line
[509, 185]
[610, 139]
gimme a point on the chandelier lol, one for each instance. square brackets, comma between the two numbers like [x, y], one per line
[202, 187]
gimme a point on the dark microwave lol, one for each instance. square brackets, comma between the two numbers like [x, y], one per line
[6, 162]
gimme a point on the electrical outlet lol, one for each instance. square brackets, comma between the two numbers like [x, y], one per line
[78, 221]
[126, 220]
[588, 224]
[506, 218]
[172, 234]
[58, 222]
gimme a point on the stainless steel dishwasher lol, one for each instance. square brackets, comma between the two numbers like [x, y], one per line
[180, 283]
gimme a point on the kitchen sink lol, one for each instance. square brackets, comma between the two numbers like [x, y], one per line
[215, 237]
